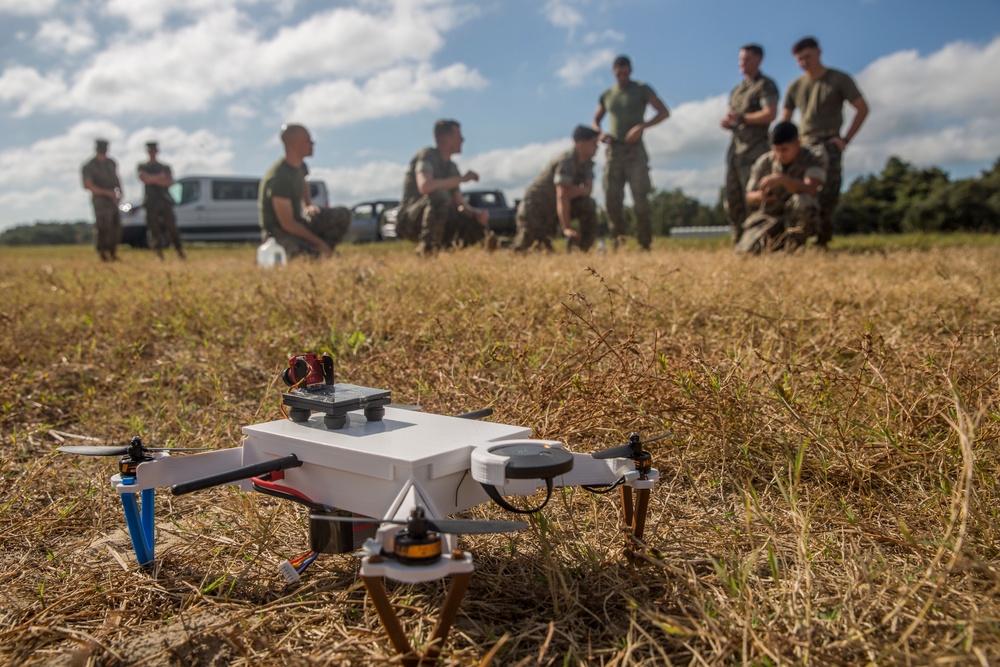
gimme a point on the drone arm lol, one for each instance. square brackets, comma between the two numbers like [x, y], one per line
[245, 472]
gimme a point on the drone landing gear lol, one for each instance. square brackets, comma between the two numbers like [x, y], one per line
[635, 512]
[393, 628]
[140, 519]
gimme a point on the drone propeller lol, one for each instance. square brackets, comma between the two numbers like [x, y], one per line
[420, 524]
[115, 450]
[632, 450]
[135, 449]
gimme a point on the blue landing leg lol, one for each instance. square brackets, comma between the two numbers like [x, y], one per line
[140, 525]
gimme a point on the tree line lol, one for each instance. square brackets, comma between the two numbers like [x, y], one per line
[902, 198]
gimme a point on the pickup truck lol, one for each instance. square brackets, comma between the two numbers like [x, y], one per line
[502, 216]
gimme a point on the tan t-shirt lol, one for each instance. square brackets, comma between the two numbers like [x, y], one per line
[821, 102]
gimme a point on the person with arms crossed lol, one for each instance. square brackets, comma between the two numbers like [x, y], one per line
[160, 219]
[627, 161]
[819, 95]
[753, 104]
[783, 185]
[100, 176]
[433, 211]
[560, 194]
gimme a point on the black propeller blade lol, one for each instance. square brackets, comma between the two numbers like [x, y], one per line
[115, 450]
[631, 450]
[450, 526]
[135, 448]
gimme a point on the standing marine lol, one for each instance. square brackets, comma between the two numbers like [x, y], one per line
[627, 161]
[559, 195]
[100, 176]
[819, 95]
[160, 219]
[753, 104]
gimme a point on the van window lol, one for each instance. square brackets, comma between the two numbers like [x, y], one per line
[234, 190]
[184, 192]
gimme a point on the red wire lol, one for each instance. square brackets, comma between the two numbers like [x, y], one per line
[283, 489]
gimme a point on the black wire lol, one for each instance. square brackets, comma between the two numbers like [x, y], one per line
[600, 490]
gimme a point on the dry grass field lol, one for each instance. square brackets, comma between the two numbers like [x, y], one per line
[829, 493]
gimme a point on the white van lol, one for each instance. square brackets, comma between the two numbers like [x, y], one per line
[210, 208]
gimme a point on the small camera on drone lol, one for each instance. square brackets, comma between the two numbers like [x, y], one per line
[308, 370]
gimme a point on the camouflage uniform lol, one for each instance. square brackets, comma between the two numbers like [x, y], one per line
[537, 216]
[432, 220]
[821, 102]
[749, 143]
[287, 182]
[107, 218]
[785, 222]
[160, 219]
[626, 163]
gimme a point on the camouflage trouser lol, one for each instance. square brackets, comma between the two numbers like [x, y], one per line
[829, 194]
[330, 224]
[628, 164]
[162, 225]
[434, 222]
[738, 167]
[537, 223]
[786, 230]
[108, 224]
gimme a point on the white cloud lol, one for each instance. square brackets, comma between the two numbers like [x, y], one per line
[32, 89]
[579, 66]
[609, 35]
[221, 53]
[146, 15]
[935, 109]
[57, 35]
[691, 133]
[394, 92]
[24, 7]
[562, 15]
[374, 180]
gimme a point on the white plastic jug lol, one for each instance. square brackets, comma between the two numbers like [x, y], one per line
[271, 253]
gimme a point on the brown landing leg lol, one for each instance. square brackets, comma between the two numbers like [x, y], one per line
[639, 516]
[627, 505]
[376, 591]
[449, 610]
[393, 628]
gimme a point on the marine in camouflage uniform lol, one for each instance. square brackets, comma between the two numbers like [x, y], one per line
[783, 183]
[564, 186]
[160, 219]
[100, 176]
[627, 161]
[753, 104]
[439, 217]
[313, 232]
[819, 94]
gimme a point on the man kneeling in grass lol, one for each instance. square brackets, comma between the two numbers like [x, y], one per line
[782, 187]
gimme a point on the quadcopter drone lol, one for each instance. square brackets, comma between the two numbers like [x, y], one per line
[382, 480]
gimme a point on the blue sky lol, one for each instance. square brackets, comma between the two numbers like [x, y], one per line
[213, 80]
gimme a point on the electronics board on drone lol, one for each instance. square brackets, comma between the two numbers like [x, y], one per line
[380, 479]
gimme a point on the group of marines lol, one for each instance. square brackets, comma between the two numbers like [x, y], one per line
[782, 183]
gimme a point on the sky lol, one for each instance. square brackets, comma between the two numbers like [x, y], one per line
[213, 80]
